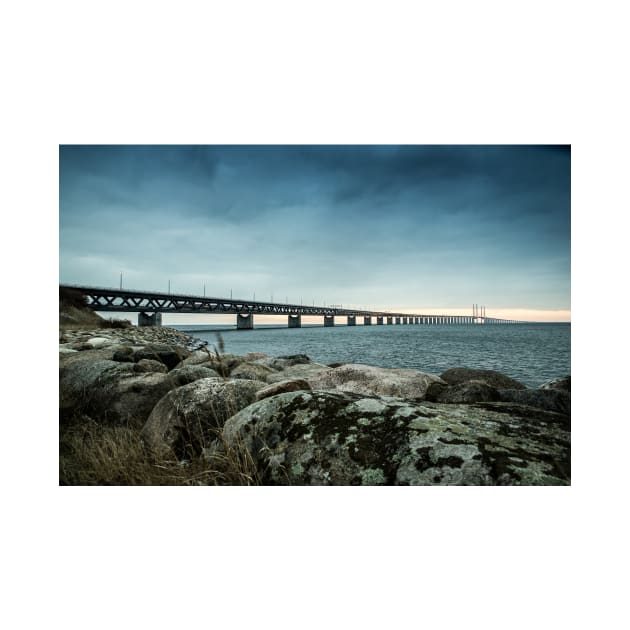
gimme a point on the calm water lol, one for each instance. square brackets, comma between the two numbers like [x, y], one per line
[530, 353]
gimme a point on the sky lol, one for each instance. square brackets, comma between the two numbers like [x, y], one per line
[413, 228]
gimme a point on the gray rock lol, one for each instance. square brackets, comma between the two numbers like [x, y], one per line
[468, 392]
[150, 365]
[340, 438]
[367, 379]
[455, 376]
[188, 418]
[186, 374]
[110, 392]
[91, 354]
[100, 342]
[251, 371]
[171, 356]
[124, 354]
[197, 357]
[563, 383]
[255, 356]
[285, 361]
[549, 399]
[281, 387]
[305, 371]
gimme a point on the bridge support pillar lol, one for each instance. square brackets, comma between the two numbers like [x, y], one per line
[295, 321]
[379, 320]
[352, 320]
[405, 320]
[244, 322]
[390, 321]
[398, 320]
[146, 319]
[329, 320]
[367, 321]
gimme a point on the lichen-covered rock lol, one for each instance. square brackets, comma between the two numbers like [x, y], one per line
[300, 370]
[455, 376]
[183, 375]
[281, 387]
[251, 371]
[563, 383]
[110, 392]
[341, 438]
[367, 379]
[171, 356]
[187, 418]
[468, 392]
[150, 365]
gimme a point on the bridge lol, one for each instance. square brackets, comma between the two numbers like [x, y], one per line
[151, 304]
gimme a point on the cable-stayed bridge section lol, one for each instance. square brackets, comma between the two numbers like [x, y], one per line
[149, 305]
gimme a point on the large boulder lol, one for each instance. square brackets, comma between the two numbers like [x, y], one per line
[251, 371]
[89, 354]
[124, 354]
[367, 379]
[281, 387]
[301, 370]
[101, 342]
[223, 364]
[548, 399]
[110, 392]
[285, 361]
[183, 375]
[150, 365]
[562, 383]
[455, 376]
[466, 393]
[197, 357]
[187, 419]
[171, 356]
[341, 438]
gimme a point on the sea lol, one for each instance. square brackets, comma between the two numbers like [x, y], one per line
[529, 353]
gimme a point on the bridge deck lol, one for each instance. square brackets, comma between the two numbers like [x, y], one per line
[134, 301]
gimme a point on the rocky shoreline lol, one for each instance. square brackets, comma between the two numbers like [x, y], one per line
[290, 421]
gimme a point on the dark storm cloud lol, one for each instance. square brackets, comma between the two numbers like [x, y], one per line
[370, 221]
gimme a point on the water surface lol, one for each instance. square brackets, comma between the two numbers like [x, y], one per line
[530, 353]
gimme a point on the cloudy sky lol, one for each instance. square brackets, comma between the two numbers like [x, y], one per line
[417, 228]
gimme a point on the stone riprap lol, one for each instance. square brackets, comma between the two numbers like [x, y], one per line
[306, 423]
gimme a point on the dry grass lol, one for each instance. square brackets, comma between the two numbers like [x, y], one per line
[91, 453]
[94, 454]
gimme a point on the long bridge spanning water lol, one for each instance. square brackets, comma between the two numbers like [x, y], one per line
[151, 304]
